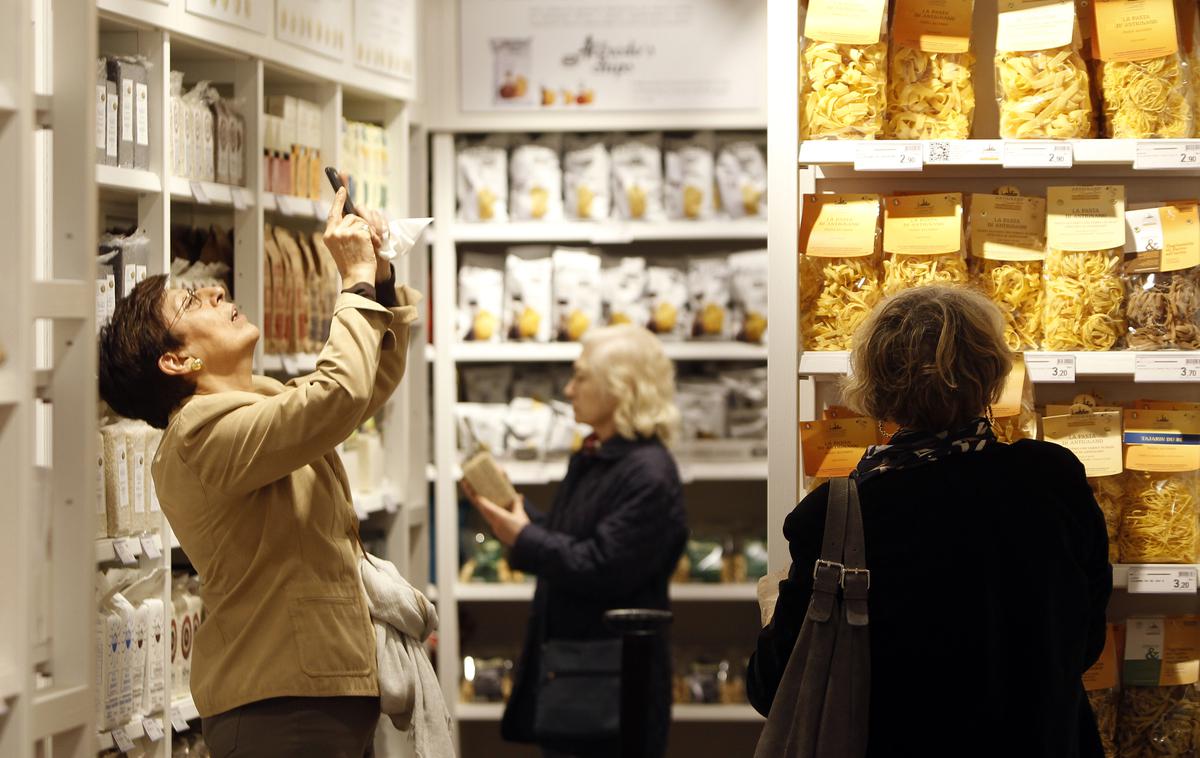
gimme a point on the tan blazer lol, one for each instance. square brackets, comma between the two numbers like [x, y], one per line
[251, 484]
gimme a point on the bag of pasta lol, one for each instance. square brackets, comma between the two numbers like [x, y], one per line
[1187, 15]
[1160, 702]
[1008, 249]
[843, 70]
[1143, 77]
[1041, 79]
[930, 93]
[1110, 496]
[841, 278]
[923, 241]
[1160, 519]
[1162, 277]
[1085, 233]
[1014, 416]
[1100, 683]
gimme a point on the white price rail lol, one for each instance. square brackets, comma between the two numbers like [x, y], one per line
[973, 152]
[1037, 154]
[1162, 580]
[889, 155]
[1050, 367]
[1167, 155]
[1167, 367]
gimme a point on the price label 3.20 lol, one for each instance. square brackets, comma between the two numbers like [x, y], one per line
[1050, 367]
[1162, 580]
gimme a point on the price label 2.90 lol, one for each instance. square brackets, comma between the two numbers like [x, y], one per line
[1167, 154]
[889, 155]
[1038, 154]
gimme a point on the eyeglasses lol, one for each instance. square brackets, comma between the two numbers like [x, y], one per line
[189, 298]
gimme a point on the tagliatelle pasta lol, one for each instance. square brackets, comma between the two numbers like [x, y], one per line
[904, 271]
[1159, 722]
[1145, 99]
[930, 95]
[1105, 704]
[1044, 94]
[1159, 522]
[1109, 496]
[1018, 288]
[1083, 300]
[843, 90]
[836, 295]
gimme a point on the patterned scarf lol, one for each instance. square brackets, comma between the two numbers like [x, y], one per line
[910, 448]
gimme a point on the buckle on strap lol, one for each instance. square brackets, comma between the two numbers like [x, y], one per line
[865, 572]
[821, 562]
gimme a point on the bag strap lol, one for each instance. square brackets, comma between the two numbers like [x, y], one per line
[856, 578]
[827, 571]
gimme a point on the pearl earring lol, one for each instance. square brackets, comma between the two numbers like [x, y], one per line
[197, 364]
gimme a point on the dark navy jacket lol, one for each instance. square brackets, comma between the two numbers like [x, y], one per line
[611, 540]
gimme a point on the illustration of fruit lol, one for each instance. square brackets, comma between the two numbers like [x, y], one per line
[484, 326]
[583, 202]
[750, 200]
[755, 328]
[568, 97]
[486, 200]
[587, 96]
[548, 96]
[577, 324]
[637, 201]
[711, 320]
[664, 318]
[540, 201]
[521, 86]
[692, 200]
[620, 318]
[508, 88]
[528, 323]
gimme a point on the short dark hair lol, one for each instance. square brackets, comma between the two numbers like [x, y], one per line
[130, 345]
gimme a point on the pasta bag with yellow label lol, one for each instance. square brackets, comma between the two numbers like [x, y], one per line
[1042, 84]
[914, 261]
[1159, 716]
[841, 276]
[1007, 241]
[1188, 16]
[1161, 519]
[843, 77]
[930, 68]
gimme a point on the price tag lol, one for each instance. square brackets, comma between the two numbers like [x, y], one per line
[889, 155]
[1038, 154]
[1162, 580]
[151, 546]
[125, 552]
[1167, 367]
[178, 721]
[1050, 367]
[1167, 154]
[154, 730]
[121, 740]
[199, 193]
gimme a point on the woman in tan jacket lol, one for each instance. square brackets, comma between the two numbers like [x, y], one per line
[248, 476]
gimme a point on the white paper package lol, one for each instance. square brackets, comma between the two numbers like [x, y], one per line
[480, 298]
[624, 291]
[667, 301]
[749, 275]
[482, 180]
[586, 168]
[690, 177]
[709, 298]
[577, 306]
[535, 180]
[637, 178]
[528, 273]
[742, 178]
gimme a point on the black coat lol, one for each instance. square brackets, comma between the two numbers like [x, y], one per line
[989, 581]
[612, 540]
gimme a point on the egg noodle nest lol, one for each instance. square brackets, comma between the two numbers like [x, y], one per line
[1084, 300]
[843, 90]
[836, 295]
[930, 95]
[1044, 95]
[1018, 288]
[902, 272]
[1145, 99]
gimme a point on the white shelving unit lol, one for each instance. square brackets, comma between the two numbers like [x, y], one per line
[705, 714]
[249, 66]
[523, 593]
[47, 407]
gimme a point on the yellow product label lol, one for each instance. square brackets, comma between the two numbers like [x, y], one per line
[839, 461]
[1085, 217]
[1162, 237]
[1094, 438]
[923, 224]
[1135, 30]
[1164, 405]
[1181, 652]
[1163, 458]
[1103, 673]
[935, 26]
[1034, 24]
[1009, 403]
[1008, 228]
[839, 226]
[1181, 236]
[847, 22]
[818, 438]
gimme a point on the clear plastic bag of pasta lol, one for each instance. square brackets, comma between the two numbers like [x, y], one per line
[930, 65]
[1007, 234]
[843, 77]
[1159, 722]
[1018, 288]
[1084, 300]
[1144, 84]
[1105, 705]
[1110, 496]
[1159, 523]
[1042, 82]
[1162, 310]
[923, 241]
[1187, 13]
[904, 271]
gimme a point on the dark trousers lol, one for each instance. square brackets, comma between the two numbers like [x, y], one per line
[295, 727]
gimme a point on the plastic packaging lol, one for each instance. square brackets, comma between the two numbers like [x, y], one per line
[1018, 288]
[930, 90]
[843, 87]
[1162, 310]
[690, 178]
[535, 179]
[1084, 300]
[1160, 520]
[482, 180]
[1159, 722]
[1110, 496]
[1105, 705]
[901, 272]
[637, 177]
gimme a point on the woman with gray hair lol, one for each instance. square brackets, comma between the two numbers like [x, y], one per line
[988, 562]
[611, 539]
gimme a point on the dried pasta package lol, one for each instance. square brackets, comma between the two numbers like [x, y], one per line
[742, 177]
[690, 177]
[1162, 277]
[482, 179]
[1188, 16]
[535, 179]
[576, 293]
[749, 274]
[1105, 705]
[1042, 81]
[1110, 496]
[1159, 715]
[1100, 683]
[843, 70]
[930, 92]
[667, 300]
[1085, 231]
[528, 294]
[841, 278]
[1008, 239]
[637, 177]
[1015, 416]
[1144, 81]
[1161, 518]
[480, 298]
[586, 166]
[710, 297]
[923, 241]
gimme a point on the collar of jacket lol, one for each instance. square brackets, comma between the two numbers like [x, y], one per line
[617, 447]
